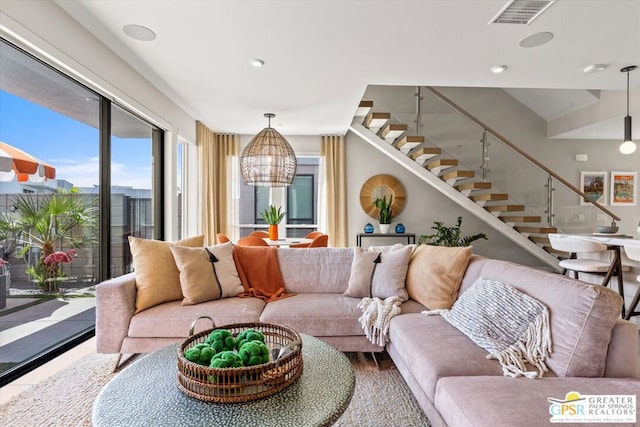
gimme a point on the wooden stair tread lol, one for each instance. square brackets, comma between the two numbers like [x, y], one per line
[442, 162]
[540, 239]
[363, 108]
[376, 120]
[479, 185]
[462, 174]
[515, 218]
[392, 131]
[422, 154]
[537, 230]
[422, 151]
[489, 197]
[504, 208]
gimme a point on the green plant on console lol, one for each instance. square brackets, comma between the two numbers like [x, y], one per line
[386, 215]
[273, 215]
[449, 236]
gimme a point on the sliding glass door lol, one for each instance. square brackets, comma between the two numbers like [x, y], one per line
[78, 176]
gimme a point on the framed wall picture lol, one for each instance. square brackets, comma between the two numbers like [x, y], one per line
[594, 186]
[624, 188]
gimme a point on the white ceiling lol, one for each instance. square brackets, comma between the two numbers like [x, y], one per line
[321, 55]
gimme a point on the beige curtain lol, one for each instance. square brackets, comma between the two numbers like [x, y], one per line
[215, 152]
[333, 155]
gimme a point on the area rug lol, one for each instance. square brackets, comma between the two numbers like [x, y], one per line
[381, 397]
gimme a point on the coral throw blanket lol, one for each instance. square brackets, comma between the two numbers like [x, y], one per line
[259, 272]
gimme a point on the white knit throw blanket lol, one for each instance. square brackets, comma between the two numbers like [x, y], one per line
[511, 326]
[376, 316]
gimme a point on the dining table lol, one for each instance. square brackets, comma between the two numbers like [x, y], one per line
[614, 243]
[287, 241]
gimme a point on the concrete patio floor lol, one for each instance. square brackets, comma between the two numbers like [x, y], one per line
[36, 328]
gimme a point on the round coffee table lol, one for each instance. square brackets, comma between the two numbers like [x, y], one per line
[146, 393]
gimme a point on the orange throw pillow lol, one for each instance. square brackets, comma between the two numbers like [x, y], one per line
[435, 274]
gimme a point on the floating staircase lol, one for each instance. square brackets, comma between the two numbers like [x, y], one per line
[444, 173]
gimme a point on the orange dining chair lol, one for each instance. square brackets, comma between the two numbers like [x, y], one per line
[314, 234]
[251, 241]
[261, 234]
[222, 238]
[320, 242]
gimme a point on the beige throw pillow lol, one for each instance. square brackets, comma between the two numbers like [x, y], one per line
[207, 274]
[435, 274]
[382, 275]
[157, 277]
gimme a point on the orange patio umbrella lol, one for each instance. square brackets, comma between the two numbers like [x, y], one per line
[25, 167]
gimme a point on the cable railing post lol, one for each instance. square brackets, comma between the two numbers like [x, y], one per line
[549, 211]
[418, 96]
[485, 155]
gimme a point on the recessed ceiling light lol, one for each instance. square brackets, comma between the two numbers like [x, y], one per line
[257, 62]
[594, 68]
[497, 69]
[139, 32]
[535, 40]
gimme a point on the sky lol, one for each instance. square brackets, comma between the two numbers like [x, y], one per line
[71, 146]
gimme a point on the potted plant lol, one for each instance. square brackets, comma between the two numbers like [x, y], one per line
[45, 225]
[273, 216]
[385, 214]
[449, 236]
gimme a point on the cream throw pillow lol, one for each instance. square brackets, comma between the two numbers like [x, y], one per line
[382, 275]
[207, 274]
[157, 277]
[435, 274]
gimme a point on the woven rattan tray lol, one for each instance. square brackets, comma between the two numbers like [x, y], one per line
[234, 385]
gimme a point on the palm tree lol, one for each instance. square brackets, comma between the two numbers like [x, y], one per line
[49, 224]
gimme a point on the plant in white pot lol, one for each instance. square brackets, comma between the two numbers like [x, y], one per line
[385, 214]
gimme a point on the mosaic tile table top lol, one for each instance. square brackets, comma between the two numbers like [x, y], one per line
[146, 393]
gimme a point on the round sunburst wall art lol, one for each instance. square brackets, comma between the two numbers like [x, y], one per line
[378, 186]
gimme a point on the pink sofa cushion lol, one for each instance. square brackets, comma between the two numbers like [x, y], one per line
[316, 314]
[434, 349]
[581, 316]
[516, 402]
[173, 320]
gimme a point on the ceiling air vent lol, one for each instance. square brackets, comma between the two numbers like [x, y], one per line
[521, 11]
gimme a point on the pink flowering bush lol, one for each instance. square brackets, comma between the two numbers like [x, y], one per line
[60, 257]
[51, 267]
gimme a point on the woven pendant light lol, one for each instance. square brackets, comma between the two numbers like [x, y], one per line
[268, 160]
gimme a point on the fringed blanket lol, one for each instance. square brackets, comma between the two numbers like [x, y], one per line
[376, 316]
[511, 326]
[259, 272]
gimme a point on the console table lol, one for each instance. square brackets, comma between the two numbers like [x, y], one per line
[146, 393]
[411, 237]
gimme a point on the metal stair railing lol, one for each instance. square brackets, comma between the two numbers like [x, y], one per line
[553, 176]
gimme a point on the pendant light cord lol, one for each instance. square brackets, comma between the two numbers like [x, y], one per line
[628, 91]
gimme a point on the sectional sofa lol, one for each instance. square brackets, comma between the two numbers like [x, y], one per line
[594, 352]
